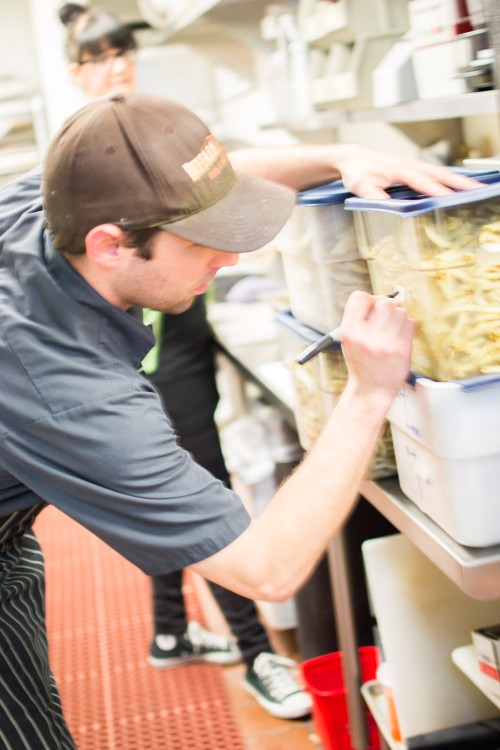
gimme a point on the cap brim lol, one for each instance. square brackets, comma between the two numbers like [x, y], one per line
[248, 217]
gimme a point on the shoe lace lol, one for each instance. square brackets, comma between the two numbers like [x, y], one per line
[200, 637]
[277, 675]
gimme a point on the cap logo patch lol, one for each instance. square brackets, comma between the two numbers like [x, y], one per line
[209, 162]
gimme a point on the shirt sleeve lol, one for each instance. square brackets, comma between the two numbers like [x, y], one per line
[115, 467]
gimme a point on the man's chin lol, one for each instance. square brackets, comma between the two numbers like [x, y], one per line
[181, 307]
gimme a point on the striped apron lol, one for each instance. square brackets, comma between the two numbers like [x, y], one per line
[30, 708]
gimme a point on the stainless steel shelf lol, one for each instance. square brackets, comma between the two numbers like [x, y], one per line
[247, 335]
[479, 103]
[420, 110]
[182, 16]
[476, 571]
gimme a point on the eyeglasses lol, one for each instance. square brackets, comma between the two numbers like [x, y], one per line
[107, 58]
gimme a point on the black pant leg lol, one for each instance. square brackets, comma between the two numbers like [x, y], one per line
[240, 613]
[169, 610]
[243, 619]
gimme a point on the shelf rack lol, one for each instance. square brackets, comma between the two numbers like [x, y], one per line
[476, 571]
[22, 151]
[465, 659]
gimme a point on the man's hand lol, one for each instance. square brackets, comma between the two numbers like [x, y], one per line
[369, 172]
[366, 172]
[376, 336]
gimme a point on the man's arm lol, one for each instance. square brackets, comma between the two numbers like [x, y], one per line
[275, 555]
[366, 172]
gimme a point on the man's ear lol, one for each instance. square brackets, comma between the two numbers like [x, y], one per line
[102, 243]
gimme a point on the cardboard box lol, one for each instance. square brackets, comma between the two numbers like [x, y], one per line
[486, 643]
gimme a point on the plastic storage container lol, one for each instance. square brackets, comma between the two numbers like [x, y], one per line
[447, 444]
[321, 259]
[319, 384]
[443, 254]
[345, 20]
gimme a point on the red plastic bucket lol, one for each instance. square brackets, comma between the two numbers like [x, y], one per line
[324, 681]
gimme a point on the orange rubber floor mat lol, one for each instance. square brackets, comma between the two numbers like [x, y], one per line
[99, 621]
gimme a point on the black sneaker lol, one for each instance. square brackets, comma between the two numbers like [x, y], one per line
[272, 681]
[196, 645]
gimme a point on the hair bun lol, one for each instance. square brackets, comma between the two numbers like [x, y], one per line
[70, 12]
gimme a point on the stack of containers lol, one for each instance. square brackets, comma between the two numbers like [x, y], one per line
[318, 383]
[321, 260]
[318, 386]
[322, 266]
[443, 254]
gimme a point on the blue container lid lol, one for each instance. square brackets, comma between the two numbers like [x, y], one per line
[406, 202]
[333, 193]
[329, 194]
[304, 332]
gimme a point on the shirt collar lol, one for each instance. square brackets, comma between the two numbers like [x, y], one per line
[126, 326]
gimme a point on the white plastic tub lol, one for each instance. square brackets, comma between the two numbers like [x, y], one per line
[321, 260]
[447, 444]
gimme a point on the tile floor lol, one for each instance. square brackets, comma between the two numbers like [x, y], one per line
[260, 731]
[99, 624]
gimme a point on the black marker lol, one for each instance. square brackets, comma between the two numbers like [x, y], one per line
[325, 341]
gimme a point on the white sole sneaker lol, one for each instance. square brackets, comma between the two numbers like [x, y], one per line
[296, 709]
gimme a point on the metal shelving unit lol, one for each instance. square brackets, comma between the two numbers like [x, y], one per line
[23, 134]
[465, 659]
[420, 110]
[476, 571]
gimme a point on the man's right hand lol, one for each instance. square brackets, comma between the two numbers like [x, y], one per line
[376, 336]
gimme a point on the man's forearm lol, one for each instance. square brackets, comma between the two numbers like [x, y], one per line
[365, 171]
[298, 167]
[277, 552]
[286, 541]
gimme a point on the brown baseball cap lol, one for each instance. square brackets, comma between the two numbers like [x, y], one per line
[138, 160]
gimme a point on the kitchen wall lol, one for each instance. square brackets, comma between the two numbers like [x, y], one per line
[220, 67]
[16, 42]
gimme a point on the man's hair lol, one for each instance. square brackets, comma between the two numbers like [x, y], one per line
[71, 243]
[91, 31]
[142, 239]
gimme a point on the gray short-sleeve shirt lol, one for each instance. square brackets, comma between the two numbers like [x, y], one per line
[80, 427]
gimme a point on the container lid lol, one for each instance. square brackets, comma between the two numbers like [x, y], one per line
[405, 202]
[304, 332]
[332, 193]
[474, 383]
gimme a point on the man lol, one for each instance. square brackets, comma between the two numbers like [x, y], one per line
[143, 209]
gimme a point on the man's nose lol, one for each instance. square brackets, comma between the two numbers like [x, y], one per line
[227, 259]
